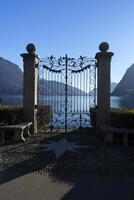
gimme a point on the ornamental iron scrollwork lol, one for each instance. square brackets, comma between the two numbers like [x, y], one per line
[68, 85]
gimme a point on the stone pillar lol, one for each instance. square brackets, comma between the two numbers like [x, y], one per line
[30, 86]
[103, 84]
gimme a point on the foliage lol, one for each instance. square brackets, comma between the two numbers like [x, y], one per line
[122, 118]
[10, 114]
[93, 116]
[14, 115]
[44, 116]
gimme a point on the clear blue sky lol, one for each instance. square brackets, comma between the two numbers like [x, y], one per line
[75, 27]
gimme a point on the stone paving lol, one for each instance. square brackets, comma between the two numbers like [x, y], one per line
[99, 160]
[101, 172]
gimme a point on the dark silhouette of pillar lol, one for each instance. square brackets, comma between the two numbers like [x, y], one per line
[30, 86]
[103, 84]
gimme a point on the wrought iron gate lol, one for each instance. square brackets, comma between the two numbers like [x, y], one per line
[68, 85]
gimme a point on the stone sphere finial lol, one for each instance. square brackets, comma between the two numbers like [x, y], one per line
[104, 46]
[31, 48]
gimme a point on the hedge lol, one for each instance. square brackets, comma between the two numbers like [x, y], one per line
[122, 118]
[14, 115]
[10, 114]
[44, 116]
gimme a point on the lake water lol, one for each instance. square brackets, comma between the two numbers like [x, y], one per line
[116, 102]
[77, 108]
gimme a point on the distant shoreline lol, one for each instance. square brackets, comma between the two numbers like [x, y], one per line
[116, 101]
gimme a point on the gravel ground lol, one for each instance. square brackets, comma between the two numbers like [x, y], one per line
[103, 160]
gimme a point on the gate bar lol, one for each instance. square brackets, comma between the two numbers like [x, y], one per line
[66, 77]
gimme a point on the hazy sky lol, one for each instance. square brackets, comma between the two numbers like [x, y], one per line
[75, 27]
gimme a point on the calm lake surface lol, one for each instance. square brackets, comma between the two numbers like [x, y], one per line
[77, 108]
[76, 102]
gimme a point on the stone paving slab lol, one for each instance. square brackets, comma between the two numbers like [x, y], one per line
[102, 172]
[32, 187]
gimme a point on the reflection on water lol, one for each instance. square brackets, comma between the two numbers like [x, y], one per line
[75, 104]
[116, 102]
[77, 108]
[12, 99]
[122, 102]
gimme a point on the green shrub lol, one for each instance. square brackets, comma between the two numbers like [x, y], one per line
[10, 114]
[14, 114]
[44, 116]
[93, 116]
[122, 118]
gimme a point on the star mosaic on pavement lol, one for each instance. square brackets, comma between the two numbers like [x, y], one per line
[61, 147]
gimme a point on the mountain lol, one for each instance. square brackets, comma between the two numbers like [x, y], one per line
[11, 82]
[126, 86]
[11, 78]
[113, 86]
[58, 88]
